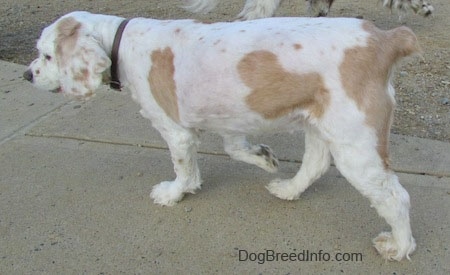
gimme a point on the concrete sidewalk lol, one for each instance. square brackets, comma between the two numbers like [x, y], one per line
[74, 198]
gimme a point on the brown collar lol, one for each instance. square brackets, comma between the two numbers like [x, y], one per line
[115, 82]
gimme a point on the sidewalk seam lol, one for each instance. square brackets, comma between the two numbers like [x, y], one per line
[23, 129]
[150, 146]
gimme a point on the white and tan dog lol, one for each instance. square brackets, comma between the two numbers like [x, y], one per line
[330, 77]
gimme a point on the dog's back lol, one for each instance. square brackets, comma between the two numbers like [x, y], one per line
[230, 74]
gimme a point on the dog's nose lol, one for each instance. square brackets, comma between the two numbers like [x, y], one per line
[28, 75]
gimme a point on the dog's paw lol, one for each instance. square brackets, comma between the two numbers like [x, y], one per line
[390, 250]
[283, 189]
[270, 163]
[167, 193]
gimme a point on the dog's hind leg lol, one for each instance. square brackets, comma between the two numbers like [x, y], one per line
[183, 145]
[260, 155]
[363, 167]
[316, 161]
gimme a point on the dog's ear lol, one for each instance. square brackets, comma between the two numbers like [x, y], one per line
[80, 58]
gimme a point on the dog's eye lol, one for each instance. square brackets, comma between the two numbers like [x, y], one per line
[47, 57]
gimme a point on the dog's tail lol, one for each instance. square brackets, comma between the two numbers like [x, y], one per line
[200, 6]
[404, 42]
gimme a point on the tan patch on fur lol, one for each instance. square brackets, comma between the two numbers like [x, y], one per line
[81, 76]
[276, 92]
[365, 74]
[162, 83]
[297, 46]
[67, 37]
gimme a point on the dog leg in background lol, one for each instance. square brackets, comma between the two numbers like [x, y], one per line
[260, 155]
[316, 161]
[255, 9]
[183, 145]
[368, 175]
[320, 7]
[421, 7]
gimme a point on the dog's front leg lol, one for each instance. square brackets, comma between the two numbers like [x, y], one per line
[183, 144]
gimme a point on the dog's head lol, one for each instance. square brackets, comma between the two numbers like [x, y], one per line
[71, 60]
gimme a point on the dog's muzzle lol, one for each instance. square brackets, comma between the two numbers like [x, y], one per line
[28, 75]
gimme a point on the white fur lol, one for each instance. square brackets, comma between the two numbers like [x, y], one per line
[212, 96]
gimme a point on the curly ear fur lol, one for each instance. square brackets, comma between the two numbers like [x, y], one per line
[80, 58]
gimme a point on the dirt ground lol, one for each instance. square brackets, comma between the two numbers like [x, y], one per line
[422, 84]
